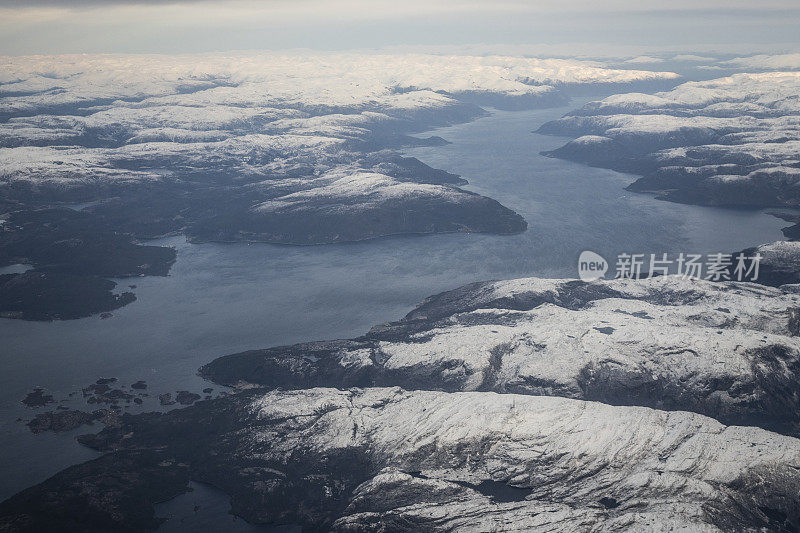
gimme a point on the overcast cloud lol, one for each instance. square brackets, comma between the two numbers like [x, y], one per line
[49, 26]
[527, 5]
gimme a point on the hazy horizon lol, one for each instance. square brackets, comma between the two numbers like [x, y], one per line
[89, 26]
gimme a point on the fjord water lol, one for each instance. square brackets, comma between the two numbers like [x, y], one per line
[224, 298]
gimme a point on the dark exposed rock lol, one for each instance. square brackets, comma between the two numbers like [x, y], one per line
[96, 388]
[115, 492]
[38, 398]
[72, 253]
[300, 366]
[186, 398]
[77, 243]
[101, 392]
[166, 399]
[35, 295]
[62, 420]
[608, 503]
[117, 395]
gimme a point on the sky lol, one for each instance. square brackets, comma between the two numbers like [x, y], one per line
[87, 26]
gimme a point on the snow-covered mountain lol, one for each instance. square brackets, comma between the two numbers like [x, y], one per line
[292, 148]
[729, 351]
[265, 128]
[385, 459]
[528, 404]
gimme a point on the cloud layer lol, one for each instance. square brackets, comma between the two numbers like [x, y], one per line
[47, 26]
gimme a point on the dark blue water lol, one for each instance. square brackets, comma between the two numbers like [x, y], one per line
[221, 299]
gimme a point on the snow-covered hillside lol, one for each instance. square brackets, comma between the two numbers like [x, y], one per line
[249, 132]
[728, 141]
[728, 350]
[660, 404]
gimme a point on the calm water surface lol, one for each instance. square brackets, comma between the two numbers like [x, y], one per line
[220, 299]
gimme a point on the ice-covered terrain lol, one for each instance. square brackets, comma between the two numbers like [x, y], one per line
[527, 404]
[728, 141]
